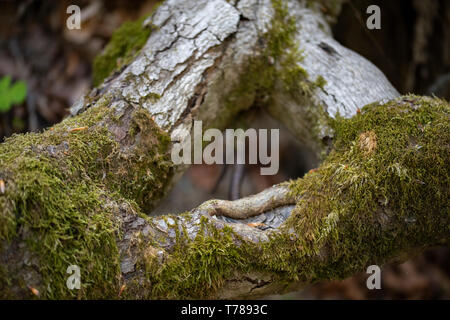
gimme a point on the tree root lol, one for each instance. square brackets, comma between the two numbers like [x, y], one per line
[250, 206]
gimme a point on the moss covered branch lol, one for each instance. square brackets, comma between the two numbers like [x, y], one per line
[381, 195]
[81, 192]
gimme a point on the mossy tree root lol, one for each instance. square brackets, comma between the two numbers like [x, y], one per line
[381, 194]
[79, 193]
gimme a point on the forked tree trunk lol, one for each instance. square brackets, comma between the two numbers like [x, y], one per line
[81, 193]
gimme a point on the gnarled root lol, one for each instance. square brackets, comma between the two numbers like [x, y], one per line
[271, 198]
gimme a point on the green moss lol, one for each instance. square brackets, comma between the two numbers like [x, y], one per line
[382, 190]
[381, 193]
[282, 47]
[124, 45]
[320, 82]
[140, 175]
[60, 189]
[59, 215]
[154, 97]
[278, 62]
[196, 268]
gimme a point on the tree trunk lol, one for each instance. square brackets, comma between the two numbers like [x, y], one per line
[81, 193]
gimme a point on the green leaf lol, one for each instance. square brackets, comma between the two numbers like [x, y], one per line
[18, 92]
[15, 94]
[5, 103]
[4, 84]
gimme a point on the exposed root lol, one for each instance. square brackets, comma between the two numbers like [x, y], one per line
[250, 206]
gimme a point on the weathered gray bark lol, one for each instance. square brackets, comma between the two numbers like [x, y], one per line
[192, 68]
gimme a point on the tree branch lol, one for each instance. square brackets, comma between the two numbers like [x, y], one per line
[81, 193]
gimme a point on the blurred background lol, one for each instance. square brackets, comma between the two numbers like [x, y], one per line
[44, 68]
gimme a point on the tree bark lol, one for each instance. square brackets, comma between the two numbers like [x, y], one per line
[81, 193]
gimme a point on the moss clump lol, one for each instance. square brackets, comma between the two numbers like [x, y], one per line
[196, 268]
[61, 186]
[320, 82]
[278, 62]
[140, 174]
[382, 190]
[124, 45]
[59, 215]
[282, 47]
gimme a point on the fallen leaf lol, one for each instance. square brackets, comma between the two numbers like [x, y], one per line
[34, 291]
[368, 142]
